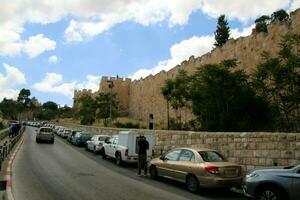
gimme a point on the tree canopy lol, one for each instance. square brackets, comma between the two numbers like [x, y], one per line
[223, 32]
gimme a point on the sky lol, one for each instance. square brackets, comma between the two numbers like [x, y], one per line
[53, 47]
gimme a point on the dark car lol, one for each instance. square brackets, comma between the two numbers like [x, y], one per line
[80, 139]
[273, 184]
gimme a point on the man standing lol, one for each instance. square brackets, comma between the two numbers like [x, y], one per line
[143, 146]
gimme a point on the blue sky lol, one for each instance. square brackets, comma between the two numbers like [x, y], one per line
[54, 47]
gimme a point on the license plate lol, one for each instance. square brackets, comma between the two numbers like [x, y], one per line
[230, 172]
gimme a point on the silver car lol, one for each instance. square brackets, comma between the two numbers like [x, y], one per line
[273, 184]
[45, 134]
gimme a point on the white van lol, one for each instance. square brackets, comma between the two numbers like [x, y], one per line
[123, 146]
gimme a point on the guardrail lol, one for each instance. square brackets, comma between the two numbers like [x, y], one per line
[7, 144]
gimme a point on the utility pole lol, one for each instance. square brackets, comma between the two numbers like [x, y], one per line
[110, 86]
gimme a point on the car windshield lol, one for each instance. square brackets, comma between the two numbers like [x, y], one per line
[85, 135]
[47, 130]
[212, 156]
[103, 138]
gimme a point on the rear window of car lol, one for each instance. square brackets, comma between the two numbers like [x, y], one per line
[103, 138]
[47, 130]
[211, 156]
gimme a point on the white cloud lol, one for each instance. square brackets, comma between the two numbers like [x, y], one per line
[38, 44]
[53, 83]
[91, 83]
[79, 31]
[142, 12]
[91, 18]
[242, 10]
[295, 5]
[235, 33]
[179, 52]
[194, 46]
[12, 78]
[53, 59]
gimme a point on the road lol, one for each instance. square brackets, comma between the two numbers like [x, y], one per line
[64, 172]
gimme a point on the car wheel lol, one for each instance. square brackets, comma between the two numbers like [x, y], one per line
[52, 141]
[270, 193]
[192, 183]
[95, 150]
[101, 151]
[103, 154]
[86, 147]
[118, 159]
[153, 172]
[37, 141]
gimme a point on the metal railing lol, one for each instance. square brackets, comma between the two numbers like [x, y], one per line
[7, 144]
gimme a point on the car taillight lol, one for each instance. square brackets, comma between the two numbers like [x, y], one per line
[126, 152]
[212, 170]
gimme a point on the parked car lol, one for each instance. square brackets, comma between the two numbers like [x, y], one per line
[60, 131]
[66, 133]
[273, 184]
[81, 138]
[95, 144]
[71, 136]
[123, 147]
[45, 134]
[197, 168]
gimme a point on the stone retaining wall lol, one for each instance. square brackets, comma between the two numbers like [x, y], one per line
[250, 149]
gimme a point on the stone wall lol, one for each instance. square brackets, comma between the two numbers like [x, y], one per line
[121, 87]
[252, 150]
[145, 96]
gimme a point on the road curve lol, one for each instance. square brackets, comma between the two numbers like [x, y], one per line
[62, 172]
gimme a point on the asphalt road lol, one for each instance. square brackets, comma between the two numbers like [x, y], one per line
[64, 172]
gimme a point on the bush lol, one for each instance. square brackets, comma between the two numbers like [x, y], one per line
[191, 125]
[1, 126]
[280, 15]
[126, 125]
[87, 120]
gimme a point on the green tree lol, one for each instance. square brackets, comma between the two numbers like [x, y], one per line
[167, 91]
[278, 80]
[223, 100]
[223, 32]
[11, 108]
[261, 24]
[107, 105]
[65, 112]
[48, 111]
[23, 96]
[50, 105]
[87, 110]
[280, 15]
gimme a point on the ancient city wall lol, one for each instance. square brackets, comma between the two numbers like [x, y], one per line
[145, 96]
[121, 87]
[252, 150]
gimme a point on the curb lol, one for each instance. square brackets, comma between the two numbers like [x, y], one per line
[8, 172]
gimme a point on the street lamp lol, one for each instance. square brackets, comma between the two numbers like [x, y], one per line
[110, 86]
